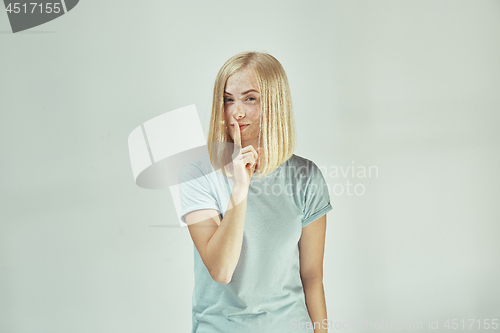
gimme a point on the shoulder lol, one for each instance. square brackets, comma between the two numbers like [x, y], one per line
[196, 169]
[302, 167]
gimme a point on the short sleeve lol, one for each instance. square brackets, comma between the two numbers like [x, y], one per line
[316, 196]
[195, 190]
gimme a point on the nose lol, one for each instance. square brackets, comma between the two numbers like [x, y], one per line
[238, 111]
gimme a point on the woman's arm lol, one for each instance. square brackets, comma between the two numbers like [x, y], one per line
[219, 242]
[311, 251]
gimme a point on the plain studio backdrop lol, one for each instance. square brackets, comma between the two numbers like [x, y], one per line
[410, 88]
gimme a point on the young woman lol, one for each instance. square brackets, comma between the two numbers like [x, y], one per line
[258, 223]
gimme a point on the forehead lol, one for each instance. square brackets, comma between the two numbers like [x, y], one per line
[241, 81]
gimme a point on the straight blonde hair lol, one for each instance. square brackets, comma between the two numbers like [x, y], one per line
[277, 134]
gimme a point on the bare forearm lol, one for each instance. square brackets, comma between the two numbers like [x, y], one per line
[224, 247]
[316, 304]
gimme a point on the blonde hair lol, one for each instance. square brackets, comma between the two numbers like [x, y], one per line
[277, 134]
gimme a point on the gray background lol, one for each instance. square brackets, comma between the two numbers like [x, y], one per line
[411, 87]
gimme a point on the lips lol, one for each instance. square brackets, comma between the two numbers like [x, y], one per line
[242, 126]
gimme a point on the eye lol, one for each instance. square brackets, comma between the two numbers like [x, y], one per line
[227, 100]
[251, 98]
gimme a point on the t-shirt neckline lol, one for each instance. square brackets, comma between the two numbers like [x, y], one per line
[272, 173]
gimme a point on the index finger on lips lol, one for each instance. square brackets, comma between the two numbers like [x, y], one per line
[237, 134]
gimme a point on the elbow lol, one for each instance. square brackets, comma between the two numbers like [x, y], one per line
[219, 271]
[221, 277]
[224, 280]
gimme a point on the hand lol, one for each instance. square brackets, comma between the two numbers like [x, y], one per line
[245, 162]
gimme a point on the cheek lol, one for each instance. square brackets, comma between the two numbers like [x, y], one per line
[255, 128]
[255, 113]
[227, 118]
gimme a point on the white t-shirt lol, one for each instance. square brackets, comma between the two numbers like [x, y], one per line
[265, 293]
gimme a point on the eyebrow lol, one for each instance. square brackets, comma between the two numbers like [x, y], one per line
[244, 93]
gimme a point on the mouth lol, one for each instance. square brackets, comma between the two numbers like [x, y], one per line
[242, 126]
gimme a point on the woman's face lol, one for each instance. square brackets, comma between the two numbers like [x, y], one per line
[242, 103]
